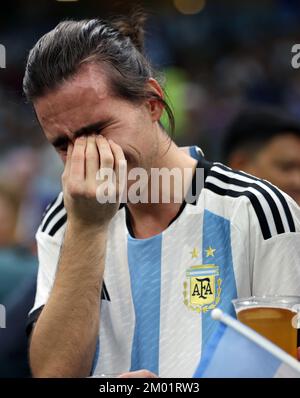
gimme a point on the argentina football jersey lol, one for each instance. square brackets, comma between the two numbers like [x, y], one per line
[158, 292]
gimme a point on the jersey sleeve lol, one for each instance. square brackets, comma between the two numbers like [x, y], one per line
[267, 224]
[275, 261]
[48, 255]
[48, 246]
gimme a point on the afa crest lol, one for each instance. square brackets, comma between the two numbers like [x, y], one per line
[202, 287]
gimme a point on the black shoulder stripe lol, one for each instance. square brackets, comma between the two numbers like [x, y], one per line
[48, 208]
[52, 214]
[206, 165]
[273, 188]
[266, 195]
[284, 205]
[241, 173]
[104, 293]
[254, 201]
[58, 225]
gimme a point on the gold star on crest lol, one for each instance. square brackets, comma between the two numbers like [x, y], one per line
[195, 253]
[210, 252]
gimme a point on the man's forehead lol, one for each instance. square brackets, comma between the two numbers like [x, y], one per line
[86, 88]
[285, 138]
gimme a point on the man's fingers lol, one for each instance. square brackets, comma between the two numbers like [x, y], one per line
[106, 156]
[66, 171]
[77, 167]
[117, 152]
[120, 167]
[92, 161]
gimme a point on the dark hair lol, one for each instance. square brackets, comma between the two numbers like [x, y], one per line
[59, 54]
[254, 127]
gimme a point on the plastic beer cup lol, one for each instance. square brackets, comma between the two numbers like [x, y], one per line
[274, 317]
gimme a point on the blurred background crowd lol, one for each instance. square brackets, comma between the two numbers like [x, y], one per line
[216, 56]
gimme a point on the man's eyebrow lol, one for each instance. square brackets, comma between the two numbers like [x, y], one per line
[83, 131]
[91, 128]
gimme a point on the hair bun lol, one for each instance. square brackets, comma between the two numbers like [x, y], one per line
[132, 26]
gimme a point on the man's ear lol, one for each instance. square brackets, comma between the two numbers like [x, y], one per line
[155, 106]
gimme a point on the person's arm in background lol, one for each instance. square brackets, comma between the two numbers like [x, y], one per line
[64, 337]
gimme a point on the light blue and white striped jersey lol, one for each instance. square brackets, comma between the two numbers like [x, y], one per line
[240, 238]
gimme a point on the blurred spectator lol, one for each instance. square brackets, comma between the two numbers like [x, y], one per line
[18, 269]
[265, 142]
[31, 171]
